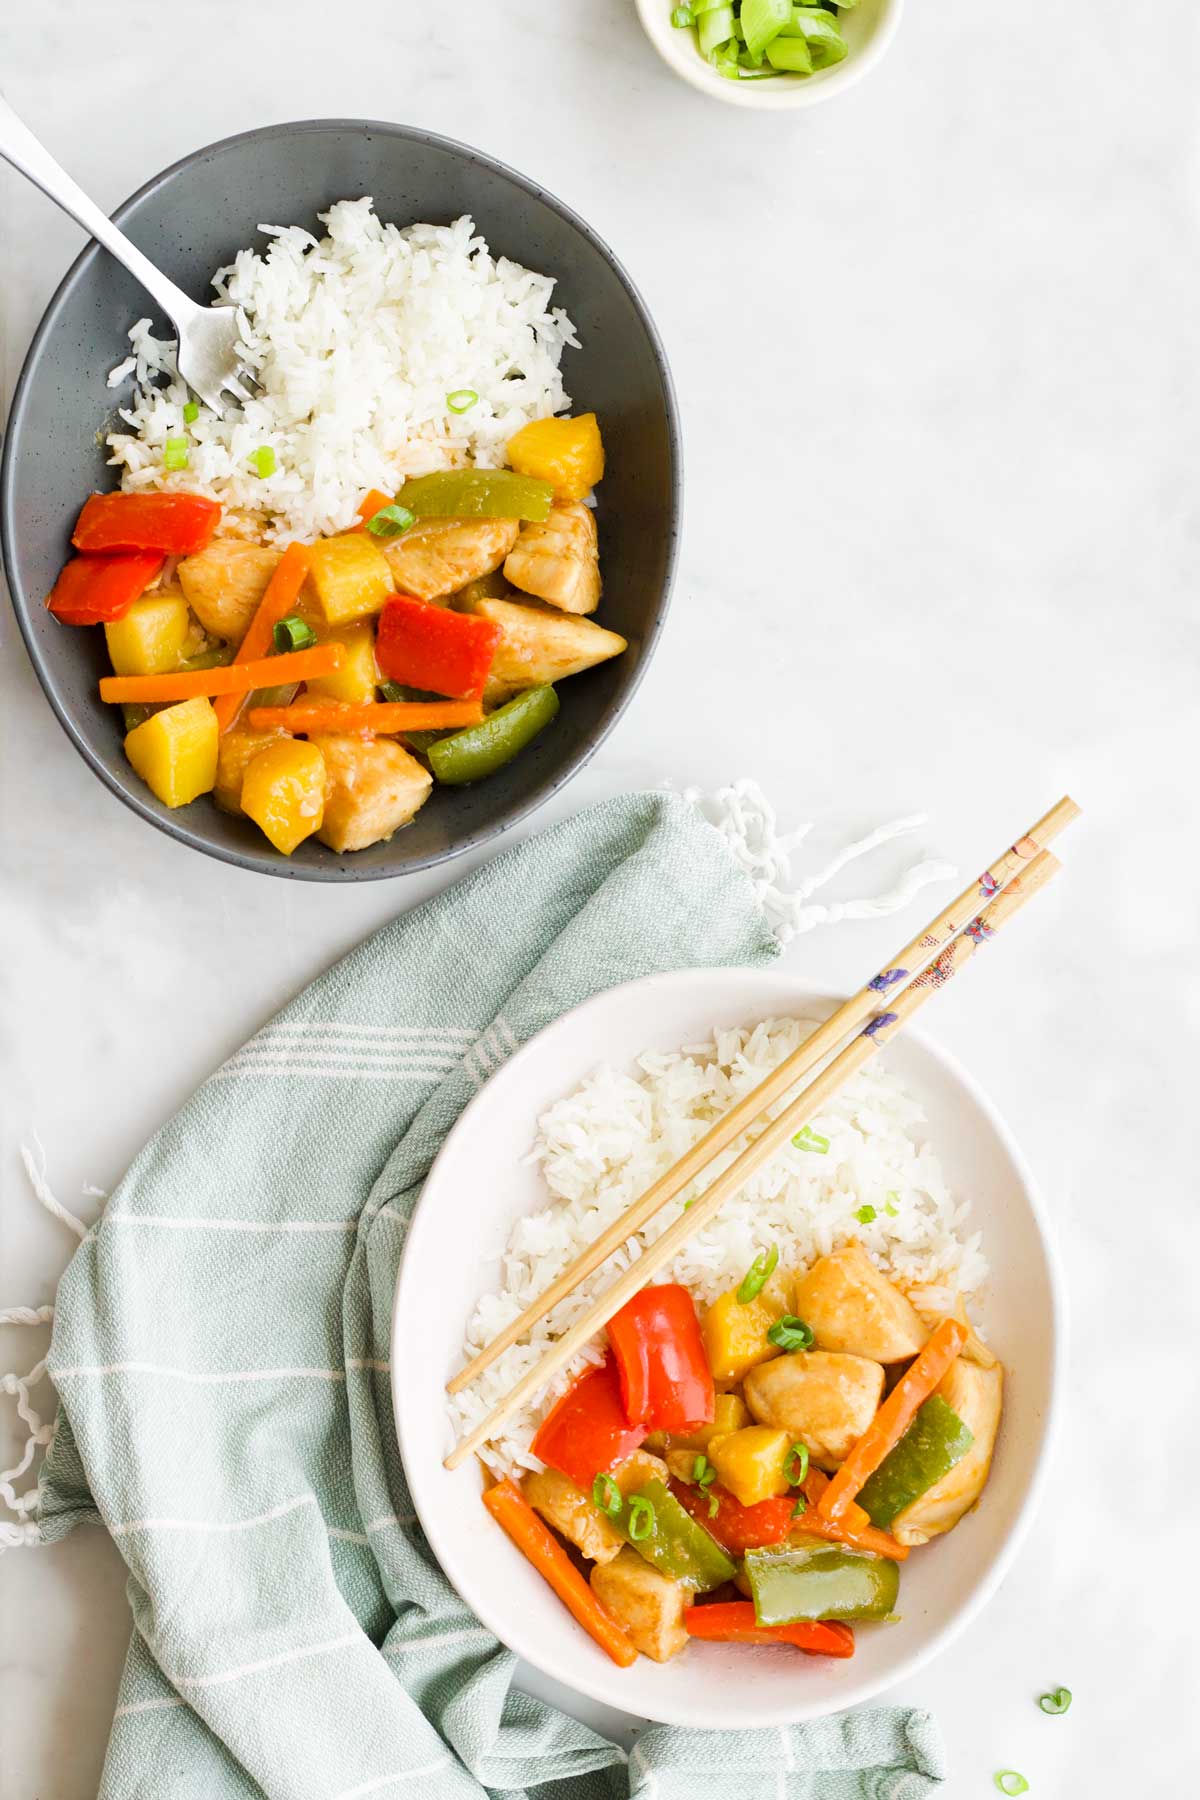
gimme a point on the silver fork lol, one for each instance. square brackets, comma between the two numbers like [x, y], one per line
[210, 347]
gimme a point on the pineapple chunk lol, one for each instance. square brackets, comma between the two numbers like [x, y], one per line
[558, 560]
[224, 584]
[235, 752]
[283, 791]
[350, 577]
[568, 453]
[372, 788]
[729, 1414]
[175, 751]
[735, 1336]
[358, 676]
[541, 645]
[750, 1463]
[150, 638]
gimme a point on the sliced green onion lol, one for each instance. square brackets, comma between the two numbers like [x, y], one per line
[703, 1473]
[714, 1506]
[865, 1215]
[462, 400]
[798, 1454]
[1010, 1782]
[800, 1508]
[641, 1518]
[390, 521]
[762, 21]
[683, 15]
[1056, 1701]
[757, 1275]
[191, 413]
[889, 1209]
[264, 461]
[808, 1139]
[714, 28]
[790, 1333]
[606, 1495]
[293, 633]
[175, 453]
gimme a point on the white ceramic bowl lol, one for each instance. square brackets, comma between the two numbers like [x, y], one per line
[868, 29]
[479, 1185]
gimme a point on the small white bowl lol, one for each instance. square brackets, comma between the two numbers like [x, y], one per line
[868, 29]
[480, 1184]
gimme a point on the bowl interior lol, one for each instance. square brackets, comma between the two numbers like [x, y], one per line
[190, 220]
[867, 27]
[439, 1282]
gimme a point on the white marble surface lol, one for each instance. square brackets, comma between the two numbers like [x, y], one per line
[936, 349]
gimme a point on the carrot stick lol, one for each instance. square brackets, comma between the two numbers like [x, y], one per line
[281, 594]
[235, 678]
[538, 1544]
[857, 1531]
[734, 1622]
[382, 716]
[893, 1418]
[374, 502]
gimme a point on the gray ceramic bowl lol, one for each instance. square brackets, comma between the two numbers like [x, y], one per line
[190, 220]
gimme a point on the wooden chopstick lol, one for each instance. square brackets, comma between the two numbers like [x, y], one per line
[812, 1051]
[775, 1133]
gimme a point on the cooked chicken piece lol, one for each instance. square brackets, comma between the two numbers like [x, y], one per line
[849, 1305]
[559, 560]
[571, 1512]
[235, 750]
[975, 1394]
[372, 788]
[650, 1606]
[638, 1469]
[435, 557]
[224, 583]
[930, 1303]
[822, 1398]
[539, 645]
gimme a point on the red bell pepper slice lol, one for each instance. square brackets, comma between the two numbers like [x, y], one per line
[586, 1434]
[666, 1382]
[426, 646]
[733, 1622]
[95, 590]
[739, 1528]
[179, 524]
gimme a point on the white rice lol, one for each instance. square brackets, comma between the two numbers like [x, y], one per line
[602, 1146]
[358, 338]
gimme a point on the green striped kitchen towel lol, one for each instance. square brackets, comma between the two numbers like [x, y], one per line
[220, 1351]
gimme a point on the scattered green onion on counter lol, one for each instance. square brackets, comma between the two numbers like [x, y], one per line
[753, 40]
[1010, 1782]
[293, 633]
[1056, 1701]
[757, 1275]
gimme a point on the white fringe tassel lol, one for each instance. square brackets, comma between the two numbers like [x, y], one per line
[23, 1533]
[747, 821]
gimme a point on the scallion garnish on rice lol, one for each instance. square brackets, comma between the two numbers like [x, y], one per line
[175, 453]
[808, 1139]
[865, 1215]
[263, 461]
[462, 400]
[191, 413]
[757, 1275]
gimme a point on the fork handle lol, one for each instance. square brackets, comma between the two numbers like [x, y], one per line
[19, 147]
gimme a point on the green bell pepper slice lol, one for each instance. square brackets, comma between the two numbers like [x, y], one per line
[820, 1581]
[666, 1534]
[929, 1449]
[482, 749]
[477, 494]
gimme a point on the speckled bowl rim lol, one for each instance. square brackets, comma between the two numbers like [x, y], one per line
[337, 868]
